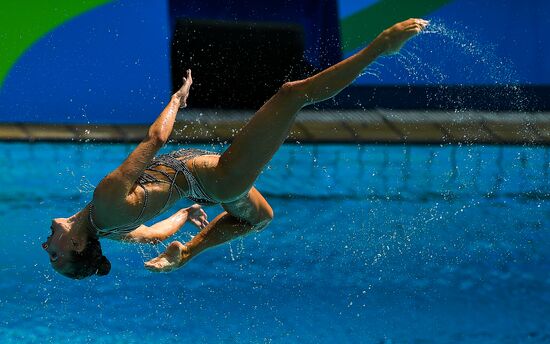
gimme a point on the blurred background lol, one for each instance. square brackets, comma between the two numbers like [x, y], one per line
[118, 61]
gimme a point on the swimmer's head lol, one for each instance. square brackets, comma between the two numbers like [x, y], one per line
[75, 255]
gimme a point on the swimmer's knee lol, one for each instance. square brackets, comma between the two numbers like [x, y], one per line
[296, 90]
[261, 225]
[260, 221]
[264, 219]
[267, 216]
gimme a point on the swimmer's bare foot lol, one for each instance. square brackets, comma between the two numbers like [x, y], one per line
[175, 256]
[183, 92]
[391, 40]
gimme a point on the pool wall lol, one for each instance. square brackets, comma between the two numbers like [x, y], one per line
[328, 126]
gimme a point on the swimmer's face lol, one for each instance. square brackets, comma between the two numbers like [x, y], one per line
[59, 245]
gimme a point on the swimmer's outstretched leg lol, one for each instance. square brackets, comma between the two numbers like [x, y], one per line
[254, 146]
[261, 137]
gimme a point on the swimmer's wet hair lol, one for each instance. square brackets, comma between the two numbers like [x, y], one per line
[90, 261]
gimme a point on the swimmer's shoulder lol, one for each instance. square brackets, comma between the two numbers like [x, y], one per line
[108, 206]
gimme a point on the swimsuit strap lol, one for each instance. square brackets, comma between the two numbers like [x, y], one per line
[176, 161]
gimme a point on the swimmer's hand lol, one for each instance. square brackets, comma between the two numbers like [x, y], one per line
[182, 94]
[197, 216]
[391, 40]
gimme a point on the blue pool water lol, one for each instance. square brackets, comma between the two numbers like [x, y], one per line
[370, 244]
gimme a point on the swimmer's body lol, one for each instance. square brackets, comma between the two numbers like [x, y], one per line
[227, 179]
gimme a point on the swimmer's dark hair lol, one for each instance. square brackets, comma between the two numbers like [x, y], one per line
[90, 261]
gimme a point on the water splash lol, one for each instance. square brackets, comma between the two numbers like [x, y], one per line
[85, 186]
[467, 44]
[446, 56]
[236, 253]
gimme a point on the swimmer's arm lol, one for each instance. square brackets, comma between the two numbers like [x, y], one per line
[119, 183]
[164, 229]
[158, 232]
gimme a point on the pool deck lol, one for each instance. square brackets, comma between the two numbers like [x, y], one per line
[323, 126]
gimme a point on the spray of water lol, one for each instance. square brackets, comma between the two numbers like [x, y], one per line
[444, 56]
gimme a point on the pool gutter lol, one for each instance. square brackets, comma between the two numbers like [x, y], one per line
[315, 126]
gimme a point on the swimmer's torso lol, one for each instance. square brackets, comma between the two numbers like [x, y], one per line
[158, 192]
[153, 192]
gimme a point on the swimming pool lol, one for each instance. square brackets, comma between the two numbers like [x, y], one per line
[370, 244]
